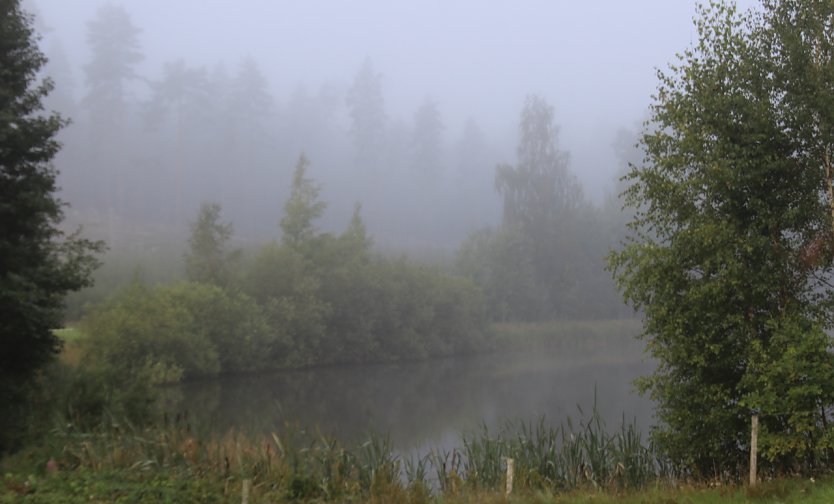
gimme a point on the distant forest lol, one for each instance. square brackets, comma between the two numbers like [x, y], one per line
[141, 155]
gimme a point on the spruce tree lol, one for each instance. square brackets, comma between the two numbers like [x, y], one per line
[38, 264]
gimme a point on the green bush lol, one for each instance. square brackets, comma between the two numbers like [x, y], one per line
[230, 321]
[183, 330]
[144, 330]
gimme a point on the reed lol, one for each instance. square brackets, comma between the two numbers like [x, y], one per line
[302, 465]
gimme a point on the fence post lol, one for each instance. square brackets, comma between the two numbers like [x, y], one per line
[244, 492]
[510, 474]
[754, 447]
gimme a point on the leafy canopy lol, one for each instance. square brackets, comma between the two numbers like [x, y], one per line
[729, 256]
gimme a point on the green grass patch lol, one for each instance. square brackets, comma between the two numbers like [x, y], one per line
[69, 334]
[573, 463]
[124, 486]
[160, 485]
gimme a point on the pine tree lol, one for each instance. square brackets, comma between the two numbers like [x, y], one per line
[38, 264]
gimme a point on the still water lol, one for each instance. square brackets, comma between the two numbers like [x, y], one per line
[423, 405]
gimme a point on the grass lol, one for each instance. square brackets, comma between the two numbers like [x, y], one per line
[72, 338]
[575, 337]
[302, 465]
[69, 334]
[574, 462]
[165, 486]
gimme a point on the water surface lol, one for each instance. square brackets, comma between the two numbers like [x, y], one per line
[428, 404]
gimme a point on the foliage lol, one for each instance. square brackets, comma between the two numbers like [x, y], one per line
[231, 321]
[366, 107]
[427, 141]
[544, 262]
[163, 485]
[302, 207]
[114, 45]
[539, 188]
[178, 331]
[279, 280]
[144, 330]
[207, 260]
[333, 301]
[299, 465]
[314, 299]
[499, 261]
[39, 265]
[730, 254]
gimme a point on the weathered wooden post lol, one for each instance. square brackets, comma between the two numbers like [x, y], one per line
[754, 447]
[510, 474]
[244, 493]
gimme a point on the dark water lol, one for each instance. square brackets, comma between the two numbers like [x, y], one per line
[424, 404]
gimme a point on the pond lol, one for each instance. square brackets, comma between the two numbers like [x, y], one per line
[428, 404]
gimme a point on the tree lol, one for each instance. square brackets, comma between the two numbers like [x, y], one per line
[729, 254]
[471, 151]
[207, 260]
[251, 103]
[251, 108]
[540, 187]
[541, 203]
[367, 114]
[302, 207]
[356, 236]
[184, 92]
[427, 140]
[114, 44]
[114, 47]
[38, 263]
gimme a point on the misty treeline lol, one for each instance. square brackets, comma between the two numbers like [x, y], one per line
[314, 298]
[144, 152]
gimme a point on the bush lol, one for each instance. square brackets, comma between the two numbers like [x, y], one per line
[143, 330]
[230, 321]
[183, 330]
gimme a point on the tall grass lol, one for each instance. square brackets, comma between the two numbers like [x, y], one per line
[303, 465]
[562, 458]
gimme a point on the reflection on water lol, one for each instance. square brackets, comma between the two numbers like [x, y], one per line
[421, 404]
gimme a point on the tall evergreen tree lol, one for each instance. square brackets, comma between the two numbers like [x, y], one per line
[38, 264]
[114, 45]
[366, 106]
[427, 141]
[183, 92]
[302, 207]
[208, 260]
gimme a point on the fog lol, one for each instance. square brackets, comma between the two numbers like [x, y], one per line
[469, 64]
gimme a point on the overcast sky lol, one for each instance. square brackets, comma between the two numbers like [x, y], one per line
[594, 61]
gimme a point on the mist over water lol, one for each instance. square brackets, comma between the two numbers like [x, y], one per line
[422, 405]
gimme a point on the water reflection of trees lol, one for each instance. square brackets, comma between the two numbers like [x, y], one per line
[418, 404]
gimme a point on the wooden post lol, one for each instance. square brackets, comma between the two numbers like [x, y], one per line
[510, 474]
[244, 497]
[754, 447]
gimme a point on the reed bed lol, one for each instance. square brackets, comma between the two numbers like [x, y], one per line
[305, 465]
[563, 458]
